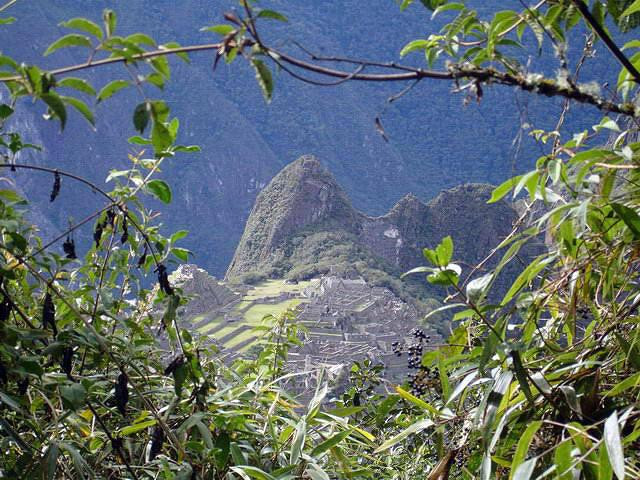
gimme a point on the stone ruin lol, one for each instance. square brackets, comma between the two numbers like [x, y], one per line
[346, 320]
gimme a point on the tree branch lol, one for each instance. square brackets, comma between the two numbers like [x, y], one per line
[604, 36]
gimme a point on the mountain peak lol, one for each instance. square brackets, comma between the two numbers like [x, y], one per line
[304, 194]
[303, 224]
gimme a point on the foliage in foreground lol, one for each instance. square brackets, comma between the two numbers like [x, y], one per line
[98, 380]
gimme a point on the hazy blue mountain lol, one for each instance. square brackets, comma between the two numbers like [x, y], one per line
[435, 141]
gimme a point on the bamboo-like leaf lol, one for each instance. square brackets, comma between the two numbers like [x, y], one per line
[521, 453]
[414, 428]
[614, 444]
[330, 443]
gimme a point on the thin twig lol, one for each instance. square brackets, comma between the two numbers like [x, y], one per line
[608, 41]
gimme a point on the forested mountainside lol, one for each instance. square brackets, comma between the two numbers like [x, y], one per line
[304, 225]
[435, 141]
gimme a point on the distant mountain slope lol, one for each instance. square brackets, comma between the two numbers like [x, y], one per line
[303, 224]
[435, 141]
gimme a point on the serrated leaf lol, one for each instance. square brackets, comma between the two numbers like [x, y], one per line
[70, 40]
[111, 88]
[413, 46]
[81, 107]
[85, 25]
[265, 80]
[273, 15]
[444, 251]
[56, 106]
[141, 117]
[77, 84]
[159, 189]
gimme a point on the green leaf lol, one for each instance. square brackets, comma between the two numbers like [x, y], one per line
[629, 217]
[111, 88]
[179, 377]
[73, 395]
[477, 288]
[415, 428]
[444, 251]
[504, 188]
[141, 117]
[78, 84]
[614, 444]
[85, 25]
[330, 443]
[181, 253]
[110, 20]
[179, 235]
[141, 39]
[416, 401]
[70, 40]
[56, 106]
[265, 80]
[5, 111]
[527, 275]
[160, 190]
[79, 463]
[631, 9]
[136, 427]
[10, 401]
[52, 460]
[272, 15]
[563, 460]
[413, 46]
[247, 472]
[81, 107]
[525, 469]
[521, 451]
[160, 137]
[161, 65]
[223, 29]
[298, 441]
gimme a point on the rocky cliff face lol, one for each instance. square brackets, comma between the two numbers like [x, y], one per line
[303, 194]
[303, 224]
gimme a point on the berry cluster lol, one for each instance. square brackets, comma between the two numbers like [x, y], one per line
[414, 359]
[423, 380]
[397, 348]
[419, 334]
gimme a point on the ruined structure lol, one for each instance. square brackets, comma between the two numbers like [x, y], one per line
[346, 320]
